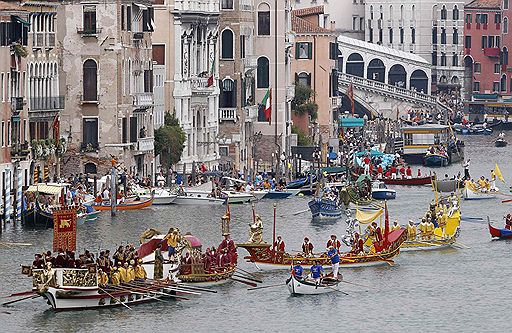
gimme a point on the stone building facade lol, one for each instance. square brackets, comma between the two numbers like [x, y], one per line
[108, 83]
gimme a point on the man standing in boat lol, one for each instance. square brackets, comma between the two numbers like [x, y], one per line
[307, 248]
[334, 255]
[159, 263]
[333, 241]
[279, 248]
[465, 165]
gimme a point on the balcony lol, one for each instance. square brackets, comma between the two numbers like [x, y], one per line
[227, 114]
[492, 52]
[47, 103]
[199, 85]
[89, 147]
[43, 39]
[251, 113]
[250, 62]
[88, 31]
[20, 150]
[205, 6]
[145, 144]
[17, 104]
[143, 100]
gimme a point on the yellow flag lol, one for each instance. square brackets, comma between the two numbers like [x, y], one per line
[498, 173]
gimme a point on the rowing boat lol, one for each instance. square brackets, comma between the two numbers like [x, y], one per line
[130, 205]
[407, 181]
[307, 287]
[499, 233]
[470, 194]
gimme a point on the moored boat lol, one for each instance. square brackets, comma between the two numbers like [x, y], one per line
[500, 142]
[499, 233]
[435, 160]
[475, 194]
[193, 197]
[160, 197]
[234, 197]
[307, 287]
[381, 192]
[87, 215]
[129, 205]
[277, 195]
[325, 208]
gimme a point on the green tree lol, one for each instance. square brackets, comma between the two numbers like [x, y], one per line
[302, 103]
[169, 140]
[302, 138]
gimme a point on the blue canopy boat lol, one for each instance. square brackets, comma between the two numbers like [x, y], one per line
[325, 208]
[435, 160]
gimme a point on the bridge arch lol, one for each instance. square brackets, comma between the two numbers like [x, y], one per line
[397, 76]
[355, 65]
[376, 70]
[419, 81]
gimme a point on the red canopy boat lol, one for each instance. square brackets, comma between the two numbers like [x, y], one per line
[407, 181]
[500, 233]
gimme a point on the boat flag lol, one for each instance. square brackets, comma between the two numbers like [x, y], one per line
[497, 171]
[64, 229]
[350, 94]
[212, 74]
[267, 106]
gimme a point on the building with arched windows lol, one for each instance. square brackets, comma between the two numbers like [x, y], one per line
[107, 77]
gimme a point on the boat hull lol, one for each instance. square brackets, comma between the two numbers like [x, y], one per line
[383, 194]
[500, 143]
[427, 245]
[160, 199]
[277, 195]
[326, 209]
[500, 233]
[473, 195]
[435, 160]
[190, 200]
[35, 218]
[134, 205]
[304, 287]
[407, 181]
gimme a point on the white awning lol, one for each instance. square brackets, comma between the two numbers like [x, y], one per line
[45, 189]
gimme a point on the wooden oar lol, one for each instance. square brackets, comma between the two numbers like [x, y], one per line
[302, 211]
[23, 293]
[146, 293]
[20, 299]
[17, 244]
[117, 300]
[150, 290]
[246, 282]
[264, 287]
[507, 200]
[427, 243]
[246, 272]
[186, 286]
[461, 245]
[247, 278]
[167, 287]
[336, 290]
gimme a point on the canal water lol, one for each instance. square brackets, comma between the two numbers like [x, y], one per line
[462, 290]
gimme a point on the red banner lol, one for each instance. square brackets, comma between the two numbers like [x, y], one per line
[64, 229]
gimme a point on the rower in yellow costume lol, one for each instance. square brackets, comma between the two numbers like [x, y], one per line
[430, 230]
[140, 272]
[102, 278]
[423, 228]
[442, 220]
[130, 272]
[396, 226]
[123, 273]
[411, 231]
[116, 277]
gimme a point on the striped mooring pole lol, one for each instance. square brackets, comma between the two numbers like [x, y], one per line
[7, 186]
[19, 193]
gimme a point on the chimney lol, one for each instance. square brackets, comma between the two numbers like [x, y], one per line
[333, 25]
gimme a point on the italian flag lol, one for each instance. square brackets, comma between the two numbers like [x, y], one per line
[212, 74]
[267, 105]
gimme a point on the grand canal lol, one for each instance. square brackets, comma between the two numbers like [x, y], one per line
[461, 290]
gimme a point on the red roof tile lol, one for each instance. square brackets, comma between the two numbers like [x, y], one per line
[300, 25]
[484, 4]
[308, 11]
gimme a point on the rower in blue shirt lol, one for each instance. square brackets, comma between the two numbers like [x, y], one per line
[317, 272]
[298, 271]
[334, 255]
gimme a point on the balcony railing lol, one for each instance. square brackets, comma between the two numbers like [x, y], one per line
[143, 99]
[200, 85]
[146, 144]
[210, 6]
[227, 114]
[88, 31]
[47, 103]
[89, 147]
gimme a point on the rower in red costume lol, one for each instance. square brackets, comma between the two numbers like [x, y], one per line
[279, 248]
[378, 233]
[508, 222]
[230, 247]
[358, 245]
[334, 242]
[307, 248]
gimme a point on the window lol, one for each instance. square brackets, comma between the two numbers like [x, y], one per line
[122, 18]
[503, 83]
[505, 25]
[8, 133]
[133, 129]
[455, 60]
[467, 42]
[370, 35]
[455, 12]
[483, 18]
[496, 68]
[504, 56]
[505, 4]
[476, 86]
[490, 40]
[443, 59]
[303, 50]
[3, 134]
[2, 87]
[477, 67]
[354, 23]
[497, 18]
[90, 80]
[227, 4]
[333, 51]
[390, 36]
[262, 73]
[90, 132]
[264, 22]
[455, 36]
[371, 12]
[434, 35]
[361, 23]
[304, 79]
[159, 54]
[227, 97]
[242, 46]
[498, 40]
[380, 37]
[484, 42]
[468, 18]
[148, 80]
[495, 86]
[443, 36]
[227, 44]
[444, 13]
[478, 18]
[90, 19]
[129, 18]
[401, 35]
[434, 58]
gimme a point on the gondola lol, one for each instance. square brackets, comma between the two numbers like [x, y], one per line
[435, 160]
[499, 233]
[37, 218]
[475, 194]
[307, 287]
[407, 181]
[325, 208]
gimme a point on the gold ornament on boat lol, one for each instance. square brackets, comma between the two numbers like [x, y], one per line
[256, 231]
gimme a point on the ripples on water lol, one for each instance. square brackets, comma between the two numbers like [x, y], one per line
[459, 290]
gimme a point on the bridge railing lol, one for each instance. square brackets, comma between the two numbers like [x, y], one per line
[345, 80]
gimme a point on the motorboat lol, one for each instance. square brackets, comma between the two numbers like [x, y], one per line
[197, 197]
[381, 192]
[160, 196]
